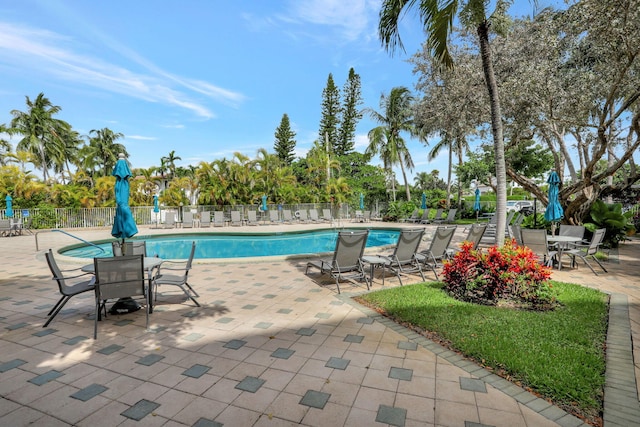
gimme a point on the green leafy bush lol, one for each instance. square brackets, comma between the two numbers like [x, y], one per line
[508, 273]
[611, 217]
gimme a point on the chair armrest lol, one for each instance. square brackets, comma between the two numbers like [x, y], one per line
[172, 265]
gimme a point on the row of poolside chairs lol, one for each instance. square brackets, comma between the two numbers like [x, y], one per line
[236, 218]
[349, 259]
[439, 217]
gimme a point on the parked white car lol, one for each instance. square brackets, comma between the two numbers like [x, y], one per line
[524, 206]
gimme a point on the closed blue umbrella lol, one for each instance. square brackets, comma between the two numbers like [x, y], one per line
[9, 211]
[123, 224]
[424, 201]
[361, 201]
[264, 203]
[476, 205]
[554, 211]
[156, 208]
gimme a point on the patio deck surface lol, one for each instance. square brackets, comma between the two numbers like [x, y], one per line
[270, 346]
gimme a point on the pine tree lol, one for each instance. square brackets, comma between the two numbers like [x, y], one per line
[330, 114]
[350, 114]
[285, 142]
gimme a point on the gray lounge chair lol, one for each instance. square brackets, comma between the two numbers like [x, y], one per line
[516, 233]
[476, 231]
[347, 258]
[302, 215]
[169, 219]
[313, 215]
[286, 216]
[205, 219]
[218, 219]
[588, 251]
[274, 218]
[187, 219]
[67, 290]
[5, 227]
[414, 216]
[326, 215]
[438, 249]
[252, 218]
[536, 240]
[451, 217]
[176, 273]
[236, 219]
[119, 277]
[404, 260]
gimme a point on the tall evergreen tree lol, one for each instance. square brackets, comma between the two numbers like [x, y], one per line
[352, 98]
[330, 114]
[285, 141]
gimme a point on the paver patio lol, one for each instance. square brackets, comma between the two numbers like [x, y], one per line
[270, 346]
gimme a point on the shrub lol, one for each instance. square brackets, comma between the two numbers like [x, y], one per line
[509, 273]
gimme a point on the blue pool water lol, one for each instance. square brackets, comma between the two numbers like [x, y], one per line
[220, 245]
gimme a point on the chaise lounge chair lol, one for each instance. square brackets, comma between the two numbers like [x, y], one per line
[438, 249]
[347, 258]
[404, 259]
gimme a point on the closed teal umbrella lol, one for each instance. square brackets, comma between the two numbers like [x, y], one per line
[9, 211]
[476, 205]
[361, 201]
[156, 208]
[123, 224]
[554, 211]
[424, 201]
[264, 203]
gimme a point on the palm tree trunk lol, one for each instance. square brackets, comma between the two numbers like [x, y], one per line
[406, 183]
[497, 130]
[448, 203]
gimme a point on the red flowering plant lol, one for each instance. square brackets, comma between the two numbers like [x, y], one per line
[509, 273]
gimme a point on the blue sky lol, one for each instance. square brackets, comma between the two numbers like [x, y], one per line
[204, 78]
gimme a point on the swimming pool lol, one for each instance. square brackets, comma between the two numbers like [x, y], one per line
[224, 245]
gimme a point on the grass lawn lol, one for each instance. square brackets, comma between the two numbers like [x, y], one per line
[557, 354]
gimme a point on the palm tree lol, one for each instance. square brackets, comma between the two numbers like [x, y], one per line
[170, 161]
[386, 139]
[437, 23]
[104, 149]
[40, 131]
[457, 145]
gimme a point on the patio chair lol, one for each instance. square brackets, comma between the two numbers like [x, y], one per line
[187, 219]
[176, 273]
[274, 217]
[136, 247]
[516, 233]
[67, 290]
[252, 218]
[205, 219]
[347, 258]
[5, 227]
[302, 215]
[438, 215]
[116, 248]
[236, 219]
[573, 231]
[413, 218]
[286, 216]
[432, 258]
[424, 218]
[588, 251]
[326, 215]
[119, 277]
[490, 233]
[451, 216]
[169, 219]
[366, 216]
[218, 219]
[536, 240]
[313, 215]
[476, 231]
[27, 221]
[404, 260]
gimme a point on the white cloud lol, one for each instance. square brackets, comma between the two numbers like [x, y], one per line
[54, 54]
[141, 138]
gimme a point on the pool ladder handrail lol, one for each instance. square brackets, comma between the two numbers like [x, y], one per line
[68, 234]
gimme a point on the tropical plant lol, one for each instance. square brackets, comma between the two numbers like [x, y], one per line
[396, 116]
[437, 19]
[610, 216]
[509, 272]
